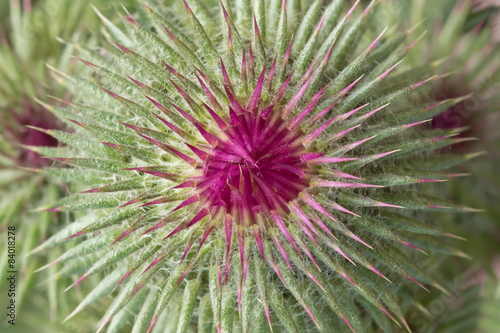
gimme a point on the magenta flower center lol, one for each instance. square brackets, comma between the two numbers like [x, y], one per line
[257, 166]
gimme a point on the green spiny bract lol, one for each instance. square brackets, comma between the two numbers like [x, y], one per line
[247, 165]
[27, 44]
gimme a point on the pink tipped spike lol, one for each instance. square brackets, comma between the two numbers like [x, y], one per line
[276, 269]
[140, 84]
[200, 153]
[244, 75]
[345, 276]
[416, 123]
[415, 86]
[327, 55]
[55, 209]
[191, 200]
[161, 107]
[303, 217]
[339, 174]
[383, 75]
[186, 184]
[268, 315]
[187, 7]
[91, 65]
[367, 9]
[281, 225]
[309, 71]
[270, 77]
[103, 324]
[281, 91]
[228, 224]
[181, 133]
[339, 135]
[227, 81]
[328, 183]
[314, 100]
[372, 45]
[234, 103]
[130, 19]
[288, 108]
[337, 97]
[213, 100]
[308, 233]
[254, 100]
[256, 28]
[326, 159]
[166, 147]
[309, 312]
[258, 238]
[79, 233]
[306, 157]
[378, 156]
[338, 207]
[409, 47]
[351, 146]
[376, 271]
[156, 226]
[418, 283]
[218, 120]
[337, 249]
[286, 57]
[344, 319]
[153, 321]
[121, 47]
[84, 277]
[351, 10]
[405, 242]
[186, 251]
[204, 212]
[243, 254]
[381, 308]
[251, 64]
[124, 234]
[153, 170]
[170, 34]
[282, 251]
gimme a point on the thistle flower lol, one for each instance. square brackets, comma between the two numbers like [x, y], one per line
[249, 163]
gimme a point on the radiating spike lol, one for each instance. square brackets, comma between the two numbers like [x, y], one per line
[328, 183]
[288, 108]
[221, 123]
[314, 100]
[166, 147]
[184, 225]
[228, 223]
[328, 159]
[213, 100]
[281, 91]
[254, 100]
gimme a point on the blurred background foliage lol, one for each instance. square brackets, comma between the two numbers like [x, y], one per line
[33, 36]
[461, 39]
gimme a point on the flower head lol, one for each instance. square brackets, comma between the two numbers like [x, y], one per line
[251, 166]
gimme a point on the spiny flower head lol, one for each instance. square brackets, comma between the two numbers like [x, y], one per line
[249, 169]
